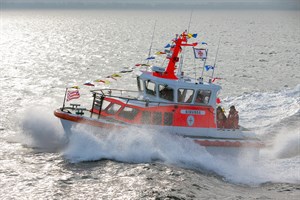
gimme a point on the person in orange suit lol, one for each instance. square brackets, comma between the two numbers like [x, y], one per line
[221, 118]
[233, 118]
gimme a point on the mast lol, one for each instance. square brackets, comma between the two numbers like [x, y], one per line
[170, 70]
[179, 41]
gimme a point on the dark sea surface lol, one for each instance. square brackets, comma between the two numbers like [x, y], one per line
[44, 51]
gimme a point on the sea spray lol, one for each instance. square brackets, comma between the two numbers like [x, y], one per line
[132, 145]
[136, 145]
[286, 144]
[41, 130]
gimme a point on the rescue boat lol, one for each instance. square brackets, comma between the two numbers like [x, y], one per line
[168, 101]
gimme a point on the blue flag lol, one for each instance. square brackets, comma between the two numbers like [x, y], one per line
[208, 67]
[168, 46]
[150, 58]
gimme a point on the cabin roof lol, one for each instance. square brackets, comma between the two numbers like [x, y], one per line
[184, 82]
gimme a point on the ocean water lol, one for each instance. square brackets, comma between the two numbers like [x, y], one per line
[44, 51]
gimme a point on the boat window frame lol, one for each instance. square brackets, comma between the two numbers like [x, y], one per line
[168, 118]
[105, 104]
[205, 99]
[166, 92]
[150, 91]
[146, 117]
[107, 110]
[130, 115]
[185, 100]
[140, 84]
[157, 118]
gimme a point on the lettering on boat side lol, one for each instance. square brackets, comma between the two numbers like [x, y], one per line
[190, 120]
[193, 112]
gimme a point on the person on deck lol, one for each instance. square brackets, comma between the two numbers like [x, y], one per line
[221, 118]
[233, 118]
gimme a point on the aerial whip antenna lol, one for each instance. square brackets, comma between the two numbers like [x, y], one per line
[182, 55]
[150, 49]
[190, 21]
[215, 63]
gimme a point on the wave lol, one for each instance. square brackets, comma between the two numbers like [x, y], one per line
[135, 145]
[261, 110]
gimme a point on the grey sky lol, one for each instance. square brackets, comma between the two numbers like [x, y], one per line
[153, 4]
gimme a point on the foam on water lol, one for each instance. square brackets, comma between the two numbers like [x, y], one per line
[259, 110]
[134, 145]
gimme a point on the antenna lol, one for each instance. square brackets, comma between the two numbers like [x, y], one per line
[204, 63]
[190, 21]
[215, 63]
[183, 51]
[149, 54]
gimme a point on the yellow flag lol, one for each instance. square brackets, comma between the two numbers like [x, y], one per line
[115, 75]
[75, 87]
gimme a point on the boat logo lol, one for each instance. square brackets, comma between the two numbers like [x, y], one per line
[190, 120]
[193, 112]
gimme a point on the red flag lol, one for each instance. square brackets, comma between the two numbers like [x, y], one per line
[74, 94]
[213, 80]
[218, 100]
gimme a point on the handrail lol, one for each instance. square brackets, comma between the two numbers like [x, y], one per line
[147, 101]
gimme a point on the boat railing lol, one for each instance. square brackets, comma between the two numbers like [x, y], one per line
[126, 94]
[137, 96]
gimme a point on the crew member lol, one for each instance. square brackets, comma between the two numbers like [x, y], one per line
[221, 118]
[233, 118]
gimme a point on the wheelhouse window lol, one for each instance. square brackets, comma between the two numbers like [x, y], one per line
[140, 84]
[113, 108]
[128, 113]
[150, 88]
[166, 92]
[157, 118]
[168, 118]
[185, 95]
[146, 117]
[105, 104]
[202, 97]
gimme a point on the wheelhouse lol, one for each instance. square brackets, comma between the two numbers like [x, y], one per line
[183, 91]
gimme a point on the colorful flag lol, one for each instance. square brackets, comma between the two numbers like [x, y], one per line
[138, 65]
[115, 75]
[125, 71]
[190, 35]
[74, 94]
[216, 78]
[88, 84]
[160, 52]
[111, 77]
[75, 87]
[200, 53]
[150, 58]
[208, 67]
[102, 81]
